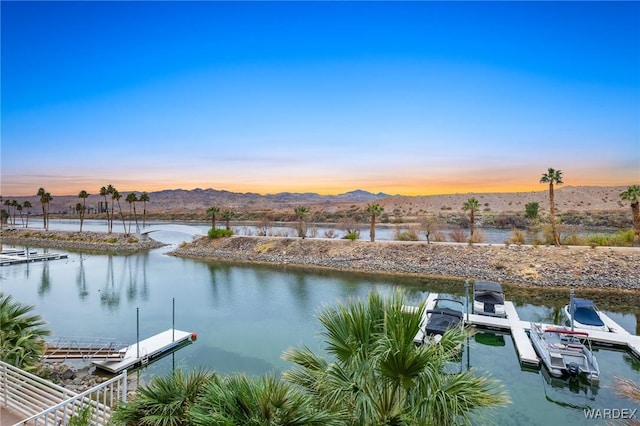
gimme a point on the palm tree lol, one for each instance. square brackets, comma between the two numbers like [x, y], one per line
[8, 204]
[115, 195]
[238, 400]
[84, 195]
[632, 194]
[46, 199]
[21, 334]
[27, 205]
[374, 210]
[18, 208]
[301, 212]
[131, 199]
[144, 197]
[111, 190]
[213, 211]
[40, 194]
[165, 401]
[472, 205]
[104, 192]
[376, 375]
[14, 204]
[552, 177]
[227, 215]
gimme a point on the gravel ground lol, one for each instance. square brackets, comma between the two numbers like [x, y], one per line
[586, 267]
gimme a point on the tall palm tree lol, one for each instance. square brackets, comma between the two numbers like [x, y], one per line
[131, 200]
[301, 212]
[376, 374]
[111, 190]
[7, 203]
[104, 192]
[27, 205]
[632, 194]
[552, 177]
[40, 194]
[21, 333]
[144, 197]
[46, 199]
[473, 205]
[14, 204]
[165, 401]
[213, 211]
[18, 208]
[84, 195]
[115, 195]
[227, 215]
[374, 210]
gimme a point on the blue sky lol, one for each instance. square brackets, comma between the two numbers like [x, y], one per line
[400, 97]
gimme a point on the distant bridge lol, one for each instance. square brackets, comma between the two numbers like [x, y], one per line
[184, 229]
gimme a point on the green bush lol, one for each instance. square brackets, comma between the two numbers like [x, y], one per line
[351, 236]
[220, 233]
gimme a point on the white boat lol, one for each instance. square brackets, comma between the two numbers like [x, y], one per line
[488, 299]
[565, 352]
[585, 315]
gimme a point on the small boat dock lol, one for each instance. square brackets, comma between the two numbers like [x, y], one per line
[16, 256]
[145, 350]
[519, 330]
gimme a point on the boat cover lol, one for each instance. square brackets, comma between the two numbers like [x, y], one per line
[585, 312]
[487, 286]
[442, 319]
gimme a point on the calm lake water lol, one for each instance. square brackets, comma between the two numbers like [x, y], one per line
[246, 316]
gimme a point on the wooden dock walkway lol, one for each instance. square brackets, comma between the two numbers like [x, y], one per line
[144, 351]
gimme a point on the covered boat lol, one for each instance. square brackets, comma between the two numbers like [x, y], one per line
[488, 299]
[565, 352]
[584, 314]
[440, 319]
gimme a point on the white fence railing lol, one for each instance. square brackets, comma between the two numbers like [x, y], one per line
[45, 403]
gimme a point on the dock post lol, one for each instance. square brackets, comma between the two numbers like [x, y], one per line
[572, 308]
[466, 296]
[138, 333]
[173, 321]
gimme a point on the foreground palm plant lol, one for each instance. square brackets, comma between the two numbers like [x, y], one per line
[378, 376]
[21, 334]
[165, 401]
[628, 389]
[238, 400]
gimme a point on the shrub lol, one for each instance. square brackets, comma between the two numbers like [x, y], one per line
[478, 236]
[352, 236]
[220, 233]
[517, 237]
[457, 235]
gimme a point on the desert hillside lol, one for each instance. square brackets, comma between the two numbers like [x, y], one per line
[580, 198]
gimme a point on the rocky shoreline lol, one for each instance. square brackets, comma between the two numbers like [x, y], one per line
[543, 266]
[90, 241]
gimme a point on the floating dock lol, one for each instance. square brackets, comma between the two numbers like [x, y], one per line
[618, 336]
[144, 351]
[16, 256]
[80, 348]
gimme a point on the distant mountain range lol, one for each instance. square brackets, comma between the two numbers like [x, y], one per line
[593, 198]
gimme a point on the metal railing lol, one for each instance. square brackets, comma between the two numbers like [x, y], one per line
[49, 404]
